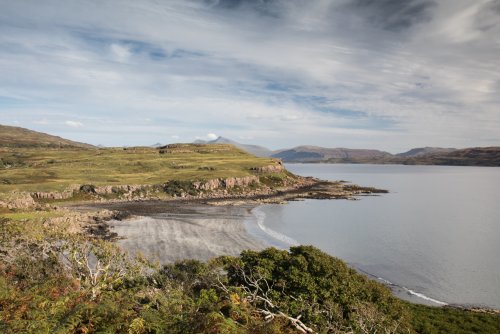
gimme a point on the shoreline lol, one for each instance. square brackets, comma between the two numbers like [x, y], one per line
[238, 237]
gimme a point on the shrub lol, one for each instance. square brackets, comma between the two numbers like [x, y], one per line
[87, 188]
[179, 188]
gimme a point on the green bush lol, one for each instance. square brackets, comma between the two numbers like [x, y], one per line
[87, 188]
[179, 188]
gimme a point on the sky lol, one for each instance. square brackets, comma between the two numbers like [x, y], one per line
[380, 74]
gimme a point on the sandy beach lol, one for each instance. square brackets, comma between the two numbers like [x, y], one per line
[202, 228]
[186, 232]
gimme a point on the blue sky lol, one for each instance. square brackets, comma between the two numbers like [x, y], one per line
[383, 74]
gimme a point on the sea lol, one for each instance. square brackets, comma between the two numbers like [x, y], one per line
[434, 238]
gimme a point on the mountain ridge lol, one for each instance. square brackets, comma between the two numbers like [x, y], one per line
[14, 136]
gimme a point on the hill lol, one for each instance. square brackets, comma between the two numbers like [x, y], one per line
[34, 169]
[332, 155]
[256, 150]
[420, 151]
[12, 136]
[477, 156]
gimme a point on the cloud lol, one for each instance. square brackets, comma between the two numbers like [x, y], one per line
[212, 136]
[281, 72]
[120, 52]
[74, 124]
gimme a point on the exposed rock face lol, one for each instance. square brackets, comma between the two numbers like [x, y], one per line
[51, 195]
[239, 181]
[127, 188]
[18, 201]
[228, 183]
[276, 168]
[67, 193]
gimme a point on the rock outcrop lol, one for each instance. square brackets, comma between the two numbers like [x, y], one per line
[127, 188]
[51, 195]
[67, 193]
[229, 183]
[17, 200]
[275, 168]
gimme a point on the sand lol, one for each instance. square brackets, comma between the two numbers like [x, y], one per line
[190, 232]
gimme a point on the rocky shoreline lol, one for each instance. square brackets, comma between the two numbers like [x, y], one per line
[307, 188]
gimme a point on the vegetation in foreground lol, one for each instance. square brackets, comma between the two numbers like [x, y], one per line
[54, 281]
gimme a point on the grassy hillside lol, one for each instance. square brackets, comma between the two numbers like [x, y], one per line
[35, 169]
[11, 136]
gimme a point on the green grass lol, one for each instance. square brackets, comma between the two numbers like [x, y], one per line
[45, 169]
[31, 215]
[434, 320]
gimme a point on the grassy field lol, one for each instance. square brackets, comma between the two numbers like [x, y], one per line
[48, 169]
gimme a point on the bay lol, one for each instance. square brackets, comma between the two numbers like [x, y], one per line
[435, 238]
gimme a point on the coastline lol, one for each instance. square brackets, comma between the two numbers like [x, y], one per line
[186, 237]
[193, 226]
[187, 231]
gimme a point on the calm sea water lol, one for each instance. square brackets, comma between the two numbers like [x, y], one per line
[435, 237]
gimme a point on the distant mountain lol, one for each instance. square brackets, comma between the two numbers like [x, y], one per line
[156, 145]
[420, 151]
[256, 150]
[479, 156]
[12, 136]
[331, 155]
[476, 156]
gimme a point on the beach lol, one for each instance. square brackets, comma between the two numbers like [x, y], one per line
[188, 231]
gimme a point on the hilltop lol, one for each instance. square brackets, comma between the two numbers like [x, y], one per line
[12, 136]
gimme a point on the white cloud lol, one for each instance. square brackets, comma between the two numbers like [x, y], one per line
[74, 124]
[120, 52]
[212, 136]
[175, 63]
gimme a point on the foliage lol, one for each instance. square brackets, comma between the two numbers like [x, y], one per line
[52, 281]
[274, 179]
[319, 288]
[433, 320]
[179, 188]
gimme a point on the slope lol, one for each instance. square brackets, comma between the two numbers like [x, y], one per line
[11, 136]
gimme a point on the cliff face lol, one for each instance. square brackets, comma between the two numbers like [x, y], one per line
[229, 183]
[275, 168]
[17, 200]
[140, 192]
